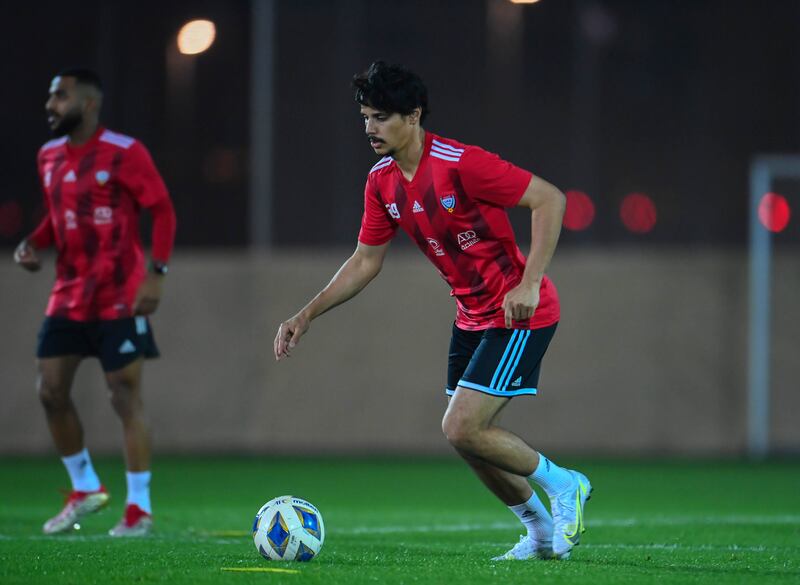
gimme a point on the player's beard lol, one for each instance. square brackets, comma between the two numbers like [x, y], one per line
[68, 123]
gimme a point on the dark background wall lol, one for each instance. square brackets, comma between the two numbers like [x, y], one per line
[671, 99]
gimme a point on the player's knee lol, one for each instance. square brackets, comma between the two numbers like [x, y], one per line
[53, 394]
[459, 431]
[123, 396]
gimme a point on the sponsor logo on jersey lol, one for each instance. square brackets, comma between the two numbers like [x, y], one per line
[102, 177]
[467, 239]
[70, 177]
[102, 215]
[436, 246]
[70, 220]
[393, 211]
[417, 207]
[448, 202]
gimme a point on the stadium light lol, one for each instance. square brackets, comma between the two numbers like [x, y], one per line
[196, 36]
[774, 212]
[579, 214]
[638, 213]
[524, 1]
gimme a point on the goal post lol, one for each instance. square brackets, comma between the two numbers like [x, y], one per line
[764, 171]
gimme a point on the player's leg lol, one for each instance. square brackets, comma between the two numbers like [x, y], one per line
[125, 390]
[124, 345]
[54, 383]
[506, 364]
[60, 351]
[513, 490]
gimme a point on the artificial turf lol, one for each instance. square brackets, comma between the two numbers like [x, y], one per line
[401, 520]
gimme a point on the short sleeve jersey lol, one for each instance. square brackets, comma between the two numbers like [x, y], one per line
[454, 209]
[94, 193]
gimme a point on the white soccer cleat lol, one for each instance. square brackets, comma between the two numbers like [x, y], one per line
[78, 505]
[527, 548]
[567, 508]
[135, 522]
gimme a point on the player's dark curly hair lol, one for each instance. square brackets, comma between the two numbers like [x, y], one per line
[391, 88]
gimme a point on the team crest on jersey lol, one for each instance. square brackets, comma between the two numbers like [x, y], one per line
[448, 202]
[102, 177]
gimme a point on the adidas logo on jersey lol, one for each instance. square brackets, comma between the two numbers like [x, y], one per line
[417, 207]
[70, 177]
[127, 347]
[517, 383]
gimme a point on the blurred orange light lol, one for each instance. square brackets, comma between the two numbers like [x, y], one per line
[196, 36]
[638, 213]
[774, 212]
[524, 1]
[579, 214]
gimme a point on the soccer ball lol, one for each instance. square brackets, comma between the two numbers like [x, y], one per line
[288, 529]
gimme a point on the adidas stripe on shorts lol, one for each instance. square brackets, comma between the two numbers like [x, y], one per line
[501, 362]
[116, 342]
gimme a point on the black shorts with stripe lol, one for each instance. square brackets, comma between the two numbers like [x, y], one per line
[501, 362]
[116, 342]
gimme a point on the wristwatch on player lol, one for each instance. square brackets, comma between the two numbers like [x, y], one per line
[159, 268]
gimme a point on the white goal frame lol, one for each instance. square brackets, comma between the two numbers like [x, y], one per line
[764, 171]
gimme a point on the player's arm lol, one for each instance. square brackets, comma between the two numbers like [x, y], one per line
[147, 187]
[149, 294]
[351, 278]
[547, 205]
[42, 237]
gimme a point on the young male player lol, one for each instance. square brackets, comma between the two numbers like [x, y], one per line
[450, 198]
[95, 183]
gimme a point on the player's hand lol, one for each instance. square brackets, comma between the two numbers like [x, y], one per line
[520, 303]
[25, 256]
[289, 333]
[148, 295]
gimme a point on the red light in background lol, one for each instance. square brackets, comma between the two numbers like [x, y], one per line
[10, 219]
[638, 213]
[774, 212]
[579, 214]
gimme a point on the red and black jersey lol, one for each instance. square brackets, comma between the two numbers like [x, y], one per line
[94, 194]
[455, 210]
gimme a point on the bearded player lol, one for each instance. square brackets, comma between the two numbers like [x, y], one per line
[451, 199]
[95, 183]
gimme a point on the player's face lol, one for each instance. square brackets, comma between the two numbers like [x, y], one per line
[387, 133]
[64, 106]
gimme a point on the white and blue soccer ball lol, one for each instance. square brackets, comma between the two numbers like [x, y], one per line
[288, 529]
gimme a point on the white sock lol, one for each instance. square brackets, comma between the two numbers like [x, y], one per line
[535, 517]
[81, 472]
[552, 478]
[139, 489]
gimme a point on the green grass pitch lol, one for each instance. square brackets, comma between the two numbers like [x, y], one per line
[409, 521]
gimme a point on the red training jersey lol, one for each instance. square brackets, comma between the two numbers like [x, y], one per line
[94, 193]
[455, 210]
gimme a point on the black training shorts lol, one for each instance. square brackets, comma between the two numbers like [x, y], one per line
[501, 362]
[116, 342]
